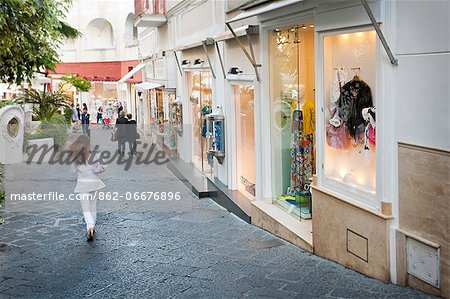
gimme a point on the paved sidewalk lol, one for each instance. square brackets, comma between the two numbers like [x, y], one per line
[187, 249]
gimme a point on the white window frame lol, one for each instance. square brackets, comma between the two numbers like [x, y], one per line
[232, 174]
[336, 188]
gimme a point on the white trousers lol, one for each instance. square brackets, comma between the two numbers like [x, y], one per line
[89, 207]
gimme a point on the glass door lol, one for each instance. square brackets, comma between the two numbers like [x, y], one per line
[292, 117]
[245, 138]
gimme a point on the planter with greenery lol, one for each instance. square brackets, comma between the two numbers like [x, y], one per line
[55, 128]
[45, 103]
[68, 112]
[6, 103]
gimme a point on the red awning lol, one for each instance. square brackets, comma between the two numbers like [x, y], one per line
[110, 71]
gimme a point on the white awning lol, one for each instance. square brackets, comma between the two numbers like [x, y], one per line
[263, 8]
[146, 86]
[241, 31]
[130, 74]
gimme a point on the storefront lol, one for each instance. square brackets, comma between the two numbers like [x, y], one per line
[157, 94]
[323, 113]
[198, 100]
[160, 108]
[321, 104]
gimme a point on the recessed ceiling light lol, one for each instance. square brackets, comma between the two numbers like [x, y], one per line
[303, 27]
[311, 26]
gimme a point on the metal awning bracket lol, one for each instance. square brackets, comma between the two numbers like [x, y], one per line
[220, 60]
[204, 43]
[249, 39]
[178, 63]
[250, 57]
[380, 34]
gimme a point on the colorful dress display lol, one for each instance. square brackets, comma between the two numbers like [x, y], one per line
[302, 158]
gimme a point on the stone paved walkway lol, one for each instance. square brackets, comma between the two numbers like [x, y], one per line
[187, 249]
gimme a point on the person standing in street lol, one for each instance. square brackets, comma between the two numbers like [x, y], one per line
[119, 109]
[132, 134]
[121, 131]
[109, 110]
[87, 165]
[85, 123]
[78, 111]
[100, 115]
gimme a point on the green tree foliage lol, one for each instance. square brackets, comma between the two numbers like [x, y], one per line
[80, 84]
[30, 33]
[46, 104]
[68, 112]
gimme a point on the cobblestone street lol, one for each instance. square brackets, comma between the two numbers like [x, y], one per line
[180, 249]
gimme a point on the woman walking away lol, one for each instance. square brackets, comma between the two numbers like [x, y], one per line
[87, 165]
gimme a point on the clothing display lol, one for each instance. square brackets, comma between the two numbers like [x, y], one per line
[337, 137]
[339, 79]
[205, 111]
[217, 141]
[301, 154]
[370, 130]
[309, 117]
[355, 96]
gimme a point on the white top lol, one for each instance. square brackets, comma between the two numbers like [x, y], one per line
[87, 180]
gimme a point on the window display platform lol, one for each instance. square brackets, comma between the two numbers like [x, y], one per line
[192, 178]
[233, 200]
[273, 219]
[202, 186]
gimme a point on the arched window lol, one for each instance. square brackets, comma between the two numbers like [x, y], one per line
[131, 33]
[99, 34]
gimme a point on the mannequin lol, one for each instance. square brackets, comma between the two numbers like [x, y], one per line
[301, 96]
[302, 160]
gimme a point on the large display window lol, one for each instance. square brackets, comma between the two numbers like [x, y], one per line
[349, 78]
[244, 101]
[292, 91]
[200, 88]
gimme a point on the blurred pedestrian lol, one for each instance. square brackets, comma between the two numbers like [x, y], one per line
[119, 109]
[100, 115]
[109, 110]
[85, 123]
[121, 132]
[78, 111]
[132, 134]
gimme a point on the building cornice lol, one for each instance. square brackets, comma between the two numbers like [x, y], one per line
[184, 6]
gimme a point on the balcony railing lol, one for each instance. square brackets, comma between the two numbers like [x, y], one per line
[152, 7]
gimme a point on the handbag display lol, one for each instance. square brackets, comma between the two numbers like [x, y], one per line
[337, 137]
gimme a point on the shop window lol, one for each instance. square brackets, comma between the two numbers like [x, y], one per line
[200, 90]
[244, 101]
[349, 66]
[292, 117]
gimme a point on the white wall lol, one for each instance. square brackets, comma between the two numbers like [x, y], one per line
[84, 12]
[422, 81]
